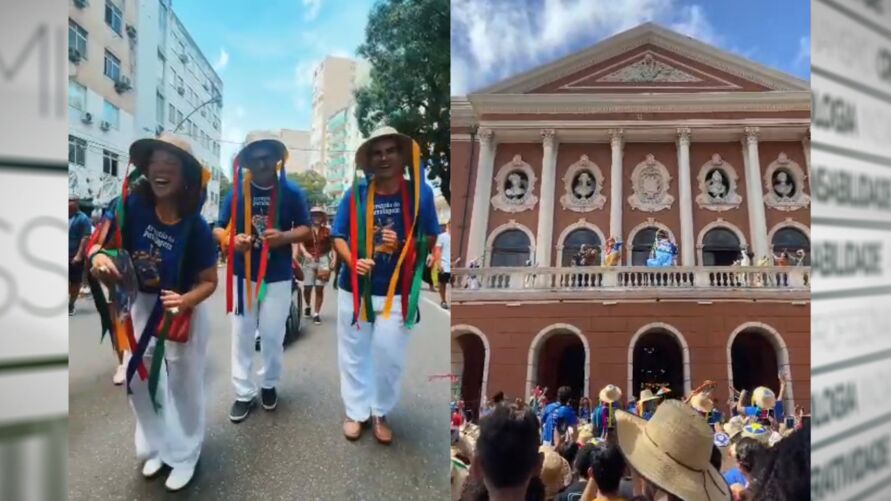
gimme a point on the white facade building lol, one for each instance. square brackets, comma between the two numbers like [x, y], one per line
[334, 82]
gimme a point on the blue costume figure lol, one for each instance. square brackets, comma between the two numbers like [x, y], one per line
[558, 416]
[765, 404]
[585, 410]
[664, 252]
[605, 414]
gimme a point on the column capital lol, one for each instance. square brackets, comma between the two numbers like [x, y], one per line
[752, 135]
[684, 135]
[548, 137]
[615, 138]
[486, 136]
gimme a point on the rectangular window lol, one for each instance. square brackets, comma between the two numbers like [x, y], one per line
[173, 77]
[77, 96]
[77, 151]
[77, 38]
[179, 116]
[159, 108]
[110, 163]
[179, 83]
[112, 66]
[111, 114]
[113, 17]
[171, 114]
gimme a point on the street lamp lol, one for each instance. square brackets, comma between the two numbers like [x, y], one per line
[216, 99]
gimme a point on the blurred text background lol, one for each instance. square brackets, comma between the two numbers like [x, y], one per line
[851, 313]
[33, 266]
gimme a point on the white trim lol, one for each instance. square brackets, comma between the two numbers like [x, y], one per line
[782, 354]
[528, 200]
[788, 223]
[649, 223]
[615, 67]
[653, 34]
[462, 329]
[718, 223]
[664, 199]
[801, 199]
[537, 342]
[685, 353]
[582, 223]
[732, 199]
[510, 225]
[568, 199]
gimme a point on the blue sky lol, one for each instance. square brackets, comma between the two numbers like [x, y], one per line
[265, 53]
[495, 39]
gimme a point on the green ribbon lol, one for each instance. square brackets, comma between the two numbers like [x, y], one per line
[157, 359]
[411, 318]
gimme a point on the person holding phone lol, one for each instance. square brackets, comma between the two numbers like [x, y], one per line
[157, 221]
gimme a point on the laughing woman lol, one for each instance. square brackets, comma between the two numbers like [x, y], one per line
[158, 222]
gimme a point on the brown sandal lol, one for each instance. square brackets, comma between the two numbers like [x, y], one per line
[352, 430]
[381, 430]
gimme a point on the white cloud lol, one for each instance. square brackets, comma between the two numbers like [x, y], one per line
[222, 61]
[803, 58]
[492, 40]
[312, 9]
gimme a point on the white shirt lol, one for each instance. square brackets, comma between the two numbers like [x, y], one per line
[444, 242]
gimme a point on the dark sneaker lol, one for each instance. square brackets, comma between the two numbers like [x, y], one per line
[241, 409]
[70, 310]
[316, 319]
[257, 343]
[444, 305]
[306, 312]
[269, 397]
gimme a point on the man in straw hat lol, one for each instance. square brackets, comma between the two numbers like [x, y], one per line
[153, 239]
[383, 231]
[672, 452]
[317, 264]
[765, 405]
[605, 414]
[646, 406]
[260, 220]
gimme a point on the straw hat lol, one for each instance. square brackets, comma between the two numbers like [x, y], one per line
[764, 397]
[380, 133]
[610, 393]
[318, 210]
[734, 426]
[647, 395]
[556, 473]
[586, 433]
[141, 152]
[702, 402]
[673, 450]
[261, 139]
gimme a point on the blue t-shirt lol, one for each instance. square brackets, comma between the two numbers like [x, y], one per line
[557, 415]
[387, 214]
[294, 213]
[156, 247]
[734, 476]
[78, 228]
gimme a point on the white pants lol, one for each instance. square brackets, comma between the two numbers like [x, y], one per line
[175, 433]
[271, 323]
[371, 358]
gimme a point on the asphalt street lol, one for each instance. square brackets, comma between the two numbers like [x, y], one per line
[295, 452]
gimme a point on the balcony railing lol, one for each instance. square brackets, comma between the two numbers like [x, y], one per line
[636, 280]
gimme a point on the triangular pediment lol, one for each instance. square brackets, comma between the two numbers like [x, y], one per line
[648, 59]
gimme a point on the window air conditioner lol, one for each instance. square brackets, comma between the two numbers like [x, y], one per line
[87, 118]
[104, 125]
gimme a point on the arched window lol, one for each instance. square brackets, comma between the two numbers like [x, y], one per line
[720, 247]
[643, 245]
[511, 248]
[658, 361]
[574, 242]
[792, 240]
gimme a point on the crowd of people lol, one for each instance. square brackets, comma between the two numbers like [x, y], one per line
[157, 258]
[659, 446]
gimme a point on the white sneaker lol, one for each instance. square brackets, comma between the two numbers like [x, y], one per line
[152, 467]
[179, 478]
[119, 375]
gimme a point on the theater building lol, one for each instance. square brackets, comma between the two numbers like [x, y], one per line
[648, 130]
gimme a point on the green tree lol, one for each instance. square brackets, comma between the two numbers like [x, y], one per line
[313, 185]
[407, 43]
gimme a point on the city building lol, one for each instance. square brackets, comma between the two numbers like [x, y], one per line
[296, 141]
[188, 98]
[102, 44]
[344, 138]
[646, 131]
[334, 82]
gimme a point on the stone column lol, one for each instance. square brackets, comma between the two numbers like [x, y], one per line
[482, 193]
[545, 232]
[757, 217]
[616, 201]
[688, 250]
[806, 146]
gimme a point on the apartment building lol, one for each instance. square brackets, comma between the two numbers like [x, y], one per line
[334, 82]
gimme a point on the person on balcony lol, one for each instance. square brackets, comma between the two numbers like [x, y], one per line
[612, 252]
[664, 253]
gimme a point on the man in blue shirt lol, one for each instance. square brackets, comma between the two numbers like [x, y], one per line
[79, 229]
[266, 190]
[558, 416]
[372, 336]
